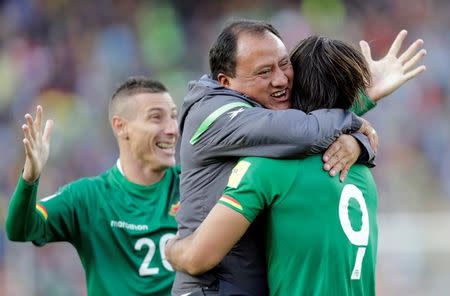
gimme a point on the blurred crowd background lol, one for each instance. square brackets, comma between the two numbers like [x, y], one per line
[69, 55]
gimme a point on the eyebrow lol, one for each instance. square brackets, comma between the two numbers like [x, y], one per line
[151, 109]
[269, 65]
[156, 109]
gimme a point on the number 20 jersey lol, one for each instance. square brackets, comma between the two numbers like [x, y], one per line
[321, 234]
[119, 230]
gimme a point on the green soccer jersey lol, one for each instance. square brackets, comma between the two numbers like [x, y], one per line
[321, 234]
[118, 228]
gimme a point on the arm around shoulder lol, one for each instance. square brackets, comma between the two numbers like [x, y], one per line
[275, 133]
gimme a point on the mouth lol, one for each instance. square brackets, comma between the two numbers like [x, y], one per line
[280, 96]
[168, 147]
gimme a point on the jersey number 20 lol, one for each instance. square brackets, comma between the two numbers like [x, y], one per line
[145, 269]
[358, 238]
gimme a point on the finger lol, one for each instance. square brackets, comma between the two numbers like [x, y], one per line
[414, 72]
[38, 119]
[27, 134]
[412, 62]
[365, 50]
[329, 154]
[30, 124]
[48, 131]
[344, 173]
[370, 133]
[397, 44]
[334, 162]
[27, 146]
[365, 127]
[404, 57]
[373, 139]
[339, 166]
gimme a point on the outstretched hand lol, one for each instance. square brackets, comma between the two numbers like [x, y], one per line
[37, 144]
[393, 70]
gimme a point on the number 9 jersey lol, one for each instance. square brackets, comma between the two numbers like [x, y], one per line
[320, 234]
[118, 228]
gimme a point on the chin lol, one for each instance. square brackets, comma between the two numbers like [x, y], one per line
[168, 163]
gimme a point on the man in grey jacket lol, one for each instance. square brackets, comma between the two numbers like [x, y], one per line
[222, 120]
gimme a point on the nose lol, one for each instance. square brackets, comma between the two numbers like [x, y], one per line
[280, 79]
[171, 127]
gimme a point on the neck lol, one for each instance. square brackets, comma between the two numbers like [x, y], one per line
[138, 172]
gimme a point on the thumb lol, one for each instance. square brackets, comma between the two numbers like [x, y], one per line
[48, 131]
[365, 50]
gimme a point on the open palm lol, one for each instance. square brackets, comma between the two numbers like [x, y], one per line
[394, 69]
[37, 145]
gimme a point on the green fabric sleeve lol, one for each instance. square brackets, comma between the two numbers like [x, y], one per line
[243, 184]
[249, 190]
[364, 104]
[24, 223]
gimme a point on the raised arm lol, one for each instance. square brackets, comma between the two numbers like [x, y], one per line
[23, 220]
[388, 74]
[206, 247]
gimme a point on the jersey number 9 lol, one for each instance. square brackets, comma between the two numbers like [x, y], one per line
[358, 238]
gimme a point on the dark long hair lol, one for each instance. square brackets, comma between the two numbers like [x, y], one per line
[328, 73]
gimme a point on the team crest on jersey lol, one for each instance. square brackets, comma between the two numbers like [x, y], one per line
[174, 208]
[237, 173]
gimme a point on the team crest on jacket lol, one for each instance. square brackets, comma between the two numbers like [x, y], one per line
[174, 208]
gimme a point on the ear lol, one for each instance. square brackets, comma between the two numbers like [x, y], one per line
[119, 126]
[224, 80]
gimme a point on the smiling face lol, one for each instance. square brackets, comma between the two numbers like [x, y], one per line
[150, 129]
[263, 70]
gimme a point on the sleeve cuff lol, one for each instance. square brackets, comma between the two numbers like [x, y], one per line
[364, 105]
[356, 123]
[24, 185]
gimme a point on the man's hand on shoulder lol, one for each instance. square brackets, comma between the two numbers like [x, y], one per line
[341, 155]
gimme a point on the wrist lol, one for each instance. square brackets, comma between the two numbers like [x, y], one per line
[29, 178]
[373, 94]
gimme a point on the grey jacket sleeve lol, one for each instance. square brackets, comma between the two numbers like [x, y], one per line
[274, 133]
[367, 156]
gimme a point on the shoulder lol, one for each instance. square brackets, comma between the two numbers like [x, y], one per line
[255, 161]
[220, 104]
[86, 185]
[362, 174]
[262, 169]
[268, 165]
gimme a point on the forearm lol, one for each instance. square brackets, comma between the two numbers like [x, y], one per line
[183, 257]
[279, 134]
[206, 247]
[363, 105]
[23, 223]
